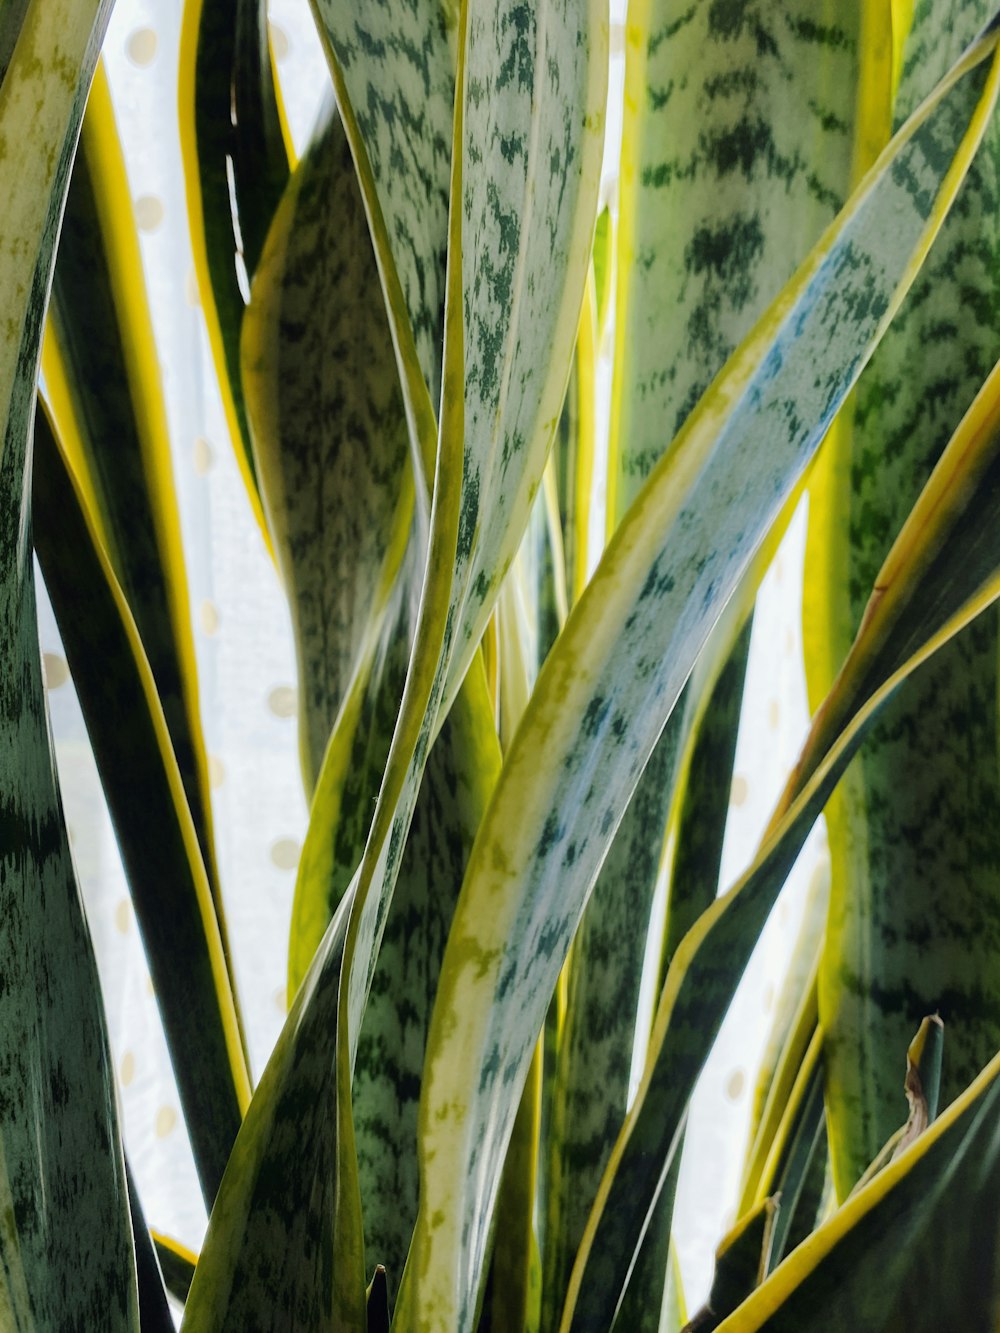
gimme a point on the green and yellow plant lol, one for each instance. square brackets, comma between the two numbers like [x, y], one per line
[505, 757]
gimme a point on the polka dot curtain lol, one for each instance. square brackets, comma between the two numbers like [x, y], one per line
[246, 666]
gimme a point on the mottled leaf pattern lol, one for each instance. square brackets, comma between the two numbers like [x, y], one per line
[736, 155]
[460, 773]
[170, 891]
[268, 1259]
[65, 1237]
[603, 696]
[901, 1253]
[393, 66]
[915, 902]
[328, 428]
[933, 583]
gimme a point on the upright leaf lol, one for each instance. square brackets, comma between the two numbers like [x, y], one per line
[104, 390]
[65, 1237]
[169, 886]
[328, 427]
[604, 693]
[914, 921]
[235, 168]
[732, 165]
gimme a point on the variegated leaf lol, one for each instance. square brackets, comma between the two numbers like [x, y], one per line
[328, 427]
[65, 1238]
[170, 890]
[914, 921]
[604, 694]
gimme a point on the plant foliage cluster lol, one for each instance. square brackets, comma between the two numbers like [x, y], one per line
[509, 756]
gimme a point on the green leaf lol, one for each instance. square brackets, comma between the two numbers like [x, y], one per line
[604, 695]
[699, 263]
[802, 1142]
[177, 1264]
[934, 582]
[268, 1249]
[741, 1261]
[328, 427]
[344, 801]
[229, 127]
[603, 256]
[102, 384]
[393, 70]
[65, 1237]
[901, 1253]
[736, 153]
[461, 770]
[915, 900]
[154, 1311]
[704, 800]
[170, 891]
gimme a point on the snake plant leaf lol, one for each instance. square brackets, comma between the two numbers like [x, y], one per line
[567, 96]
[328, 427]
[65, 1237]
[801, 1143]
[177, 1264]
[741, 1262]
[521, 232]
[901, 1252]
[268, 1259]
[736, 153]
[935, 581]
[603, 695]
[393, 69]
[170, 892]
[235, 170]
[461, 770]
[344, 801]
[154, 1310]
[603, 264]
[103, 387]
[704, 801]
[796, 1012]
[721, 120]
[573, 454]
[917, 862]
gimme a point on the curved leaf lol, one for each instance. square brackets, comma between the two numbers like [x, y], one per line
[935, 581]
[170, 890]
[328, 427]
[901, 1252]
[914, 921]
[604, 694]
[235, 169]
[111, 415]
[65, 1238]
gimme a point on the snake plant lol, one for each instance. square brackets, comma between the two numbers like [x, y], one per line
[518, 710]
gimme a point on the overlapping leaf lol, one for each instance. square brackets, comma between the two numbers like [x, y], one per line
[934, 582]
[103, 386]
[603, 696]
[915, 903]
[235, 169]
[65, 1238]
[329, 430]
[732, 165]
[170, 891]
[901, 1252]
